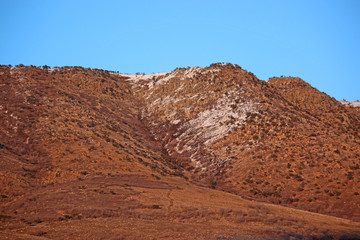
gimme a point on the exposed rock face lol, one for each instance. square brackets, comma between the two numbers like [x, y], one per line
[278, 141]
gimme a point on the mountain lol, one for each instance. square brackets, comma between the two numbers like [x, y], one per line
[280, 140]
[89, 153]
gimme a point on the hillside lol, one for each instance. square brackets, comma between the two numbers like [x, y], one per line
[94, 154]
[279, 141]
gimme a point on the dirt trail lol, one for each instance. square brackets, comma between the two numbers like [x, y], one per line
[171, 200]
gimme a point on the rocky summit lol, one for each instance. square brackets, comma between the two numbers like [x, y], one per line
[196, 153]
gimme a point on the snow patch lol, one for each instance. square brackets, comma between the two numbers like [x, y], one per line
[138, 77]
[351, 103]
[174, 122]
[160, 78]
[214, 123]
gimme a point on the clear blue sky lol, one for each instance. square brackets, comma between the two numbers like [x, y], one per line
[316, 40]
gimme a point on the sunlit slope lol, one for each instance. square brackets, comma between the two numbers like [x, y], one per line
[196, 153]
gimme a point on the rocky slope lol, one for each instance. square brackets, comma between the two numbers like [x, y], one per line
[280, 140]
[86, 147]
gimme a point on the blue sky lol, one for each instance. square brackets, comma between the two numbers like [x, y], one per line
[316, 40]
